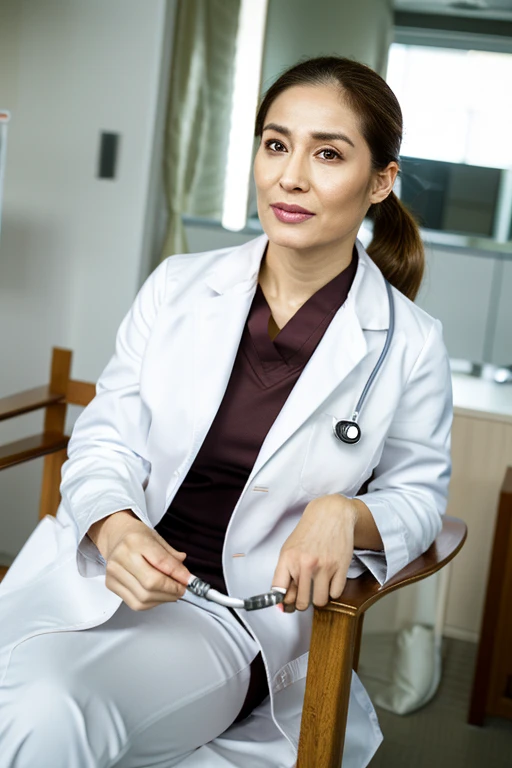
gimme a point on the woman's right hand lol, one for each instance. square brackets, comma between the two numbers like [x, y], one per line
[142, 568]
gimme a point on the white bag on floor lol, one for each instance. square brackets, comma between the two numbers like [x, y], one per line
[416, 671]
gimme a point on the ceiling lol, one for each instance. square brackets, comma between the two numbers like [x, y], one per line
[488, 9]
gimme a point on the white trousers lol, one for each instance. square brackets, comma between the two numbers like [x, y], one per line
[150, 689]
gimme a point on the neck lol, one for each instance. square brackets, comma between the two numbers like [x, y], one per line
[292, 276]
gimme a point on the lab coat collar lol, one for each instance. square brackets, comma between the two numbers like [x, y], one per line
[342, 348]
[367, 295]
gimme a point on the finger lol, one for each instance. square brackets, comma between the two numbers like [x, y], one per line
[150, 587]
[321, 584]
[305, 585]
[150, 578]
[127, 596]
[290, 598]
[174, 552]
[338, 582]
[158, 557]
[282, 576]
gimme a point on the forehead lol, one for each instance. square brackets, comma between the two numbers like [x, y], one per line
[306, 109]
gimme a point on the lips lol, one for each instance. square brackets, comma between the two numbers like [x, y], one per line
[291, 214]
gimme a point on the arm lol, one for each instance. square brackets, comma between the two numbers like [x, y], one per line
[106, 470]
[408, 492]
[400, 515]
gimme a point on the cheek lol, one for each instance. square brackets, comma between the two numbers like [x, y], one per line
[261, 171]
[347, 194]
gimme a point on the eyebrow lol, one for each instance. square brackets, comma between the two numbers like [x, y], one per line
[317, 135]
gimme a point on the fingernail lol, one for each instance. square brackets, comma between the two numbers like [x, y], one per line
[280, 606]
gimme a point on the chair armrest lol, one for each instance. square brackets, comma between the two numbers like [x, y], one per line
[29, 400]
[32, 447]
[360, 593]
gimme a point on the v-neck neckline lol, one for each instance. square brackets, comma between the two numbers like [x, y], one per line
[294, 335]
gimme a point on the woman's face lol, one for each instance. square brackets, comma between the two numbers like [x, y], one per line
[313, 170]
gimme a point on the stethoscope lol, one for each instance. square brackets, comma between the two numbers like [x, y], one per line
[346, 430]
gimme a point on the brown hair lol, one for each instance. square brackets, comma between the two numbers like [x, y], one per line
[396, 247]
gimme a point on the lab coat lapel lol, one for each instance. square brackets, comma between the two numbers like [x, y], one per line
[341, 349]
[219, 319]
[219, 324]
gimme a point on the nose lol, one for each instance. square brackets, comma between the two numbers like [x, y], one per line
[294, 175]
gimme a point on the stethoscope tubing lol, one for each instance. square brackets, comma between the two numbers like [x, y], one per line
[382, 356]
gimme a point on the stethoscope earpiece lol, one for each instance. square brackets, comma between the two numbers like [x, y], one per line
[347, 431]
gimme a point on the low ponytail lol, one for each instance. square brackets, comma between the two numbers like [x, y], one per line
[397, 247]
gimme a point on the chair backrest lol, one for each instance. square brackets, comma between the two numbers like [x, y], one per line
[52, 441]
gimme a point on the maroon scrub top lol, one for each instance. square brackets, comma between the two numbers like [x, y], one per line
[264, 373]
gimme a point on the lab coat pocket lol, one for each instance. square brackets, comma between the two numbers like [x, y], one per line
[331, 466]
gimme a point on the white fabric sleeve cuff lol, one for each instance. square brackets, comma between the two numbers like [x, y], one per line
[387, 562]
[90, 562]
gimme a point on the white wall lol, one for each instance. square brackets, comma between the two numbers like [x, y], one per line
[457, 290]
[502, 345]
[470, 294]
[73, 247]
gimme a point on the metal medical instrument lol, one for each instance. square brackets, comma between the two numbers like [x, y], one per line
[203, 589]
[348, 430]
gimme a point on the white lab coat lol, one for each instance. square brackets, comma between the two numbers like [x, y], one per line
[133, 445]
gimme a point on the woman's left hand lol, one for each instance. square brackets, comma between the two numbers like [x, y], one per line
[315, 558]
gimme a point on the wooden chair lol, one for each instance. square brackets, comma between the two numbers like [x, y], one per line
[335, 645]
[337, 628]
[52, 441]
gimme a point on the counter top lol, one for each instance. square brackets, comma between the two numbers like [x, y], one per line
[481, 399]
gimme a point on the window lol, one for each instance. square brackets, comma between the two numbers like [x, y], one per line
[457, 147]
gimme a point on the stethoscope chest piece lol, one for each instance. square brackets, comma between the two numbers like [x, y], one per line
[347, 431]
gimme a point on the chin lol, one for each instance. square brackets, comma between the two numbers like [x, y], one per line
[290, 235]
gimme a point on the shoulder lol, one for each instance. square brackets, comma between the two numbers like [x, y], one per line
[237, 262]
[410, 320]
[413, 319]
[417, 336]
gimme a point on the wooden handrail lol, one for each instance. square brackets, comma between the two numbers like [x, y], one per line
[80, 392]
[29, 400]
[31, 448]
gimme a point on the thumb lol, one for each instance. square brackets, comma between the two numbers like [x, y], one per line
[174, 552]
[164, 561]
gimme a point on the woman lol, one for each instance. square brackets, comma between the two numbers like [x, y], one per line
[209, 450]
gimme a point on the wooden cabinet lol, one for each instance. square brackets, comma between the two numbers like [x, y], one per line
[492, 686]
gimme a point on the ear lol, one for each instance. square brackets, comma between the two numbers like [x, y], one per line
[382, 183]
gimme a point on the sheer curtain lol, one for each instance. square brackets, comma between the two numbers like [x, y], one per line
[199, 110]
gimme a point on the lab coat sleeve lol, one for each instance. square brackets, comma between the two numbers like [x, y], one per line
[408, 491]
[107, 470]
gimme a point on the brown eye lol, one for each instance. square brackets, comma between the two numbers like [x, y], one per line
[330, 154]
[274, 145]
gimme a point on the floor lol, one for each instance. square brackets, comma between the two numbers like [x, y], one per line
[436, 736]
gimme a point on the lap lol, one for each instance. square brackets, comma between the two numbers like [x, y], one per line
[162, 682]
